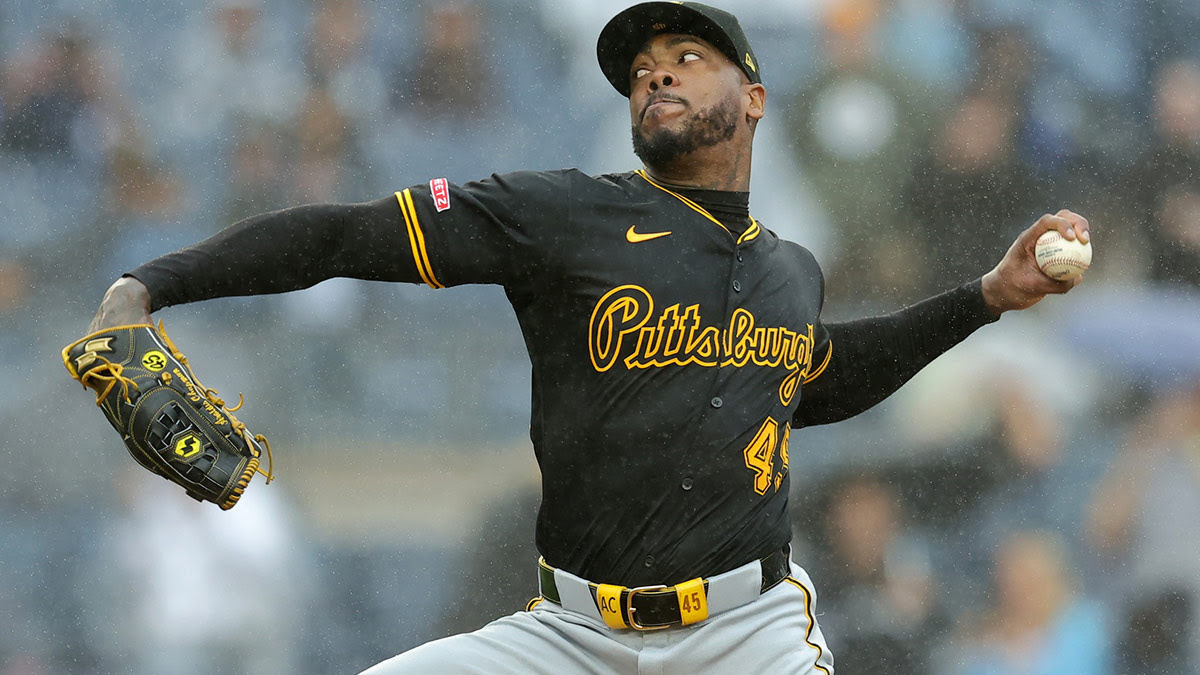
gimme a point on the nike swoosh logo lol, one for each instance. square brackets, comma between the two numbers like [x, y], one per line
[635, 237]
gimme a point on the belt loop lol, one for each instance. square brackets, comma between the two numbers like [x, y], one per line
[608, 599]
[693, 601]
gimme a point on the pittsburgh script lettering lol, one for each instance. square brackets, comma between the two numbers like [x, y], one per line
[624, 328]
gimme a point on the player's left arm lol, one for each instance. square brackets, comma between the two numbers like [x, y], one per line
[869, 359]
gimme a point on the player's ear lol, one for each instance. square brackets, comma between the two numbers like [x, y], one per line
[756, 99]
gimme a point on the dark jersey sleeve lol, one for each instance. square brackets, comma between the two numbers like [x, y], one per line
[866, 360]
[284, 251]
[487, 231]
[500, 230]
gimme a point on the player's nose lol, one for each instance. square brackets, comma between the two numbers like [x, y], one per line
[662, 78]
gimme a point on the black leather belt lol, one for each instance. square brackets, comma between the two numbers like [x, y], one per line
[655, 607]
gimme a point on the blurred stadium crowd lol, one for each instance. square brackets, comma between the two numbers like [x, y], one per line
[1029, 504]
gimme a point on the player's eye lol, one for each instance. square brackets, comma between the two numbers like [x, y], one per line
[640, 72]
[689, 56]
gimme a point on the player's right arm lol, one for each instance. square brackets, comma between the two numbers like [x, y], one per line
[268, 253]
[487, 234]
[125, 303]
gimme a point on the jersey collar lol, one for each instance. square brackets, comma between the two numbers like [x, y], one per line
[751, 232]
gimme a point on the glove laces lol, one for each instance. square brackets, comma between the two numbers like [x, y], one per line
[211, 394]
[108, 375]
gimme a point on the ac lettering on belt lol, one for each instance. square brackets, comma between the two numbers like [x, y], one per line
[608, 600]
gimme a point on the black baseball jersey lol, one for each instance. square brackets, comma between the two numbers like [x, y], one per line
[669, 351]
[672, 346]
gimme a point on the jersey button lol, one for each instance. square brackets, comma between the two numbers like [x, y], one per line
[649, 561]
[739, 256]
[686, 484]
[737, 286]
[717, 402]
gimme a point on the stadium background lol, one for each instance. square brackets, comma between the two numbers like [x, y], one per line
[1032, 499]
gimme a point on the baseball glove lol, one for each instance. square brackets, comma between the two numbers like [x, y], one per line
[171, 423]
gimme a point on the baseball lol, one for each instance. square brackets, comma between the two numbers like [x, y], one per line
[1062, 259]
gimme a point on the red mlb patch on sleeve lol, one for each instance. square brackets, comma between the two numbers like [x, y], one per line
[440, 190]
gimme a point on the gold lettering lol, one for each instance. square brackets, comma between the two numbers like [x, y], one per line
[674, 334]
[678, 337]
[196, 397]
[787, 390]
[740, 338]
[621, 311]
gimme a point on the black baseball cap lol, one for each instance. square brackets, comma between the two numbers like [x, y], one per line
[627, 33]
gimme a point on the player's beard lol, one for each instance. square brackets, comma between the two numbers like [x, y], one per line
[706, 128]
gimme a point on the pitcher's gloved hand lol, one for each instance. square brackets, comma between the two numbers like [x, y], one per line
[171, 424]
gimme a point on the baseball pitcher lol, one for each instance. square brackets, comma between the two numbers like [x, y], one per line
[676, 345]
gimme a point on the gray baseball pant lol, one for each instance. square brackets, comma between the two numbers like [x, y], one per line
[776, 632]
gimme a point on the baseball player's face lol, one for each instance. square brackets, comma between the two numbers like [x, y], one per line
[685, 94]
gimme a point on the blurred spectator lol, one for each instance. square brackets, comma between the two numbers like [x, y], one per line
[327, 161]
[456, 93]
[1145, 514]
[188, 588]
[1010, 71]
[1155, 638]
[1005, 66]
[230, 63]
[876, 586]
[451, 76]
[1164, 186]
[336, 38]
[1038, 625]
[856, 129]
[1011, 476]
[142, 207]
[47, 94]
[258, 171]
[970, 194]
[336, 58]
[14, 285]
[138, 186]
[42, 610]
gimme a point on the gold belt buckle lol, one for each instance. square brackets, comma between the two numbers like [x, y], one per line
[629, 608]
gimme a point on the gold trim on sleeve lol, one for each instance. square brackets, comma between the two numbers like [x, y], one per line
[416, 239]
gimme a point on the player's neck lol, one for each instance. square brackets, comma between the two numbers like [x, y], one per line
[714, 168]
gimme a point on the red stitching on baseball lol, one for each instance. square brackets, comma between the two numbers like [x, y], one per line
[1067, 261]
